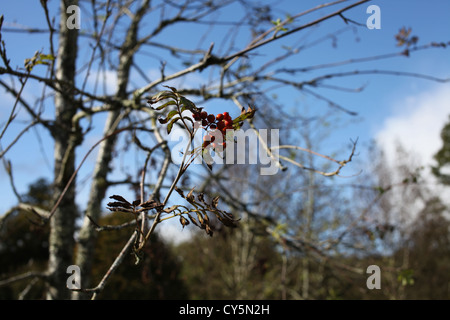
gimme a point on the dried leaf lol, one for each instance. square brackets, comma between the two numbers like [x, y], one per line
[215, 202]
[201, 197]
[193, 220]
[200, 219]
[190, 197]
[184, 222]
[119, 198]
[227, 222]
[180, 192]
[118, 205]
[209, 231]
[151, 204]
[206, 219]
[120, 209]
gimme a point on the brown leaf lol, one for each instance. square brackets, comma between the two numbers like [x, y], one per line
[118, 204]
[190, 197]
[200, 219]
[201, 197]
[180, 192]
[119, 198]
[151, 204]
[209, 231]
[184, 222]
[193, 220]
[227, 222]
[215, 202]
[120, 209]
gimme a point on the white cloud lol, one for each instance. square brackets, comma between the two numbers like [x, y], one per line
[107, 80]
[173, 232]
[416, 125]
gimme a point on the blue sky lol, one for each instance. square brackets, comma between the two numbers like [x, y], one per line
[411, 110]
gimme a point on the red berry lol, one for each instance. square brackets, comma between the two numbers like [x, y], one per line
[220, 125]
[204, 122]
[204, 114]
[219, 117]
[226, 115]
[227, 127]
[228, 123]
[211, 118]
[212, 126]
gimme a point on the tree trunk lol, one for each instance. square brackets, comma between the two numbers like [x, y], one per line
[66, 137]
[88, 235]
[87, 238]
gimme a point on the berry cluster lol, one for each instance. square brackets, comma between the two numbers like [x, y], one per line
[218, 125]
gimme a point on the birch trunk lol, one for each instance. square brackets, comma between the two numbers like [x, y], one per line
[66, 137]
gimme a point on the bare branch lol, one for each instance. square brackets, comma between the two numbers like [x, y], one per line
[327, 174]
[24, 276]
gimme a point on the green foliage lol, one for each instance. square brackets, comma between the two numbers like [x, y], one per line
[38, 58]
[175, 99]
[280, 24]
[406, 277]
[443, 155]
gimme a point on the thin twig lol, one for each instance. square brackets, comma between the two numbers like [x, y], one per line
[24, 276]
